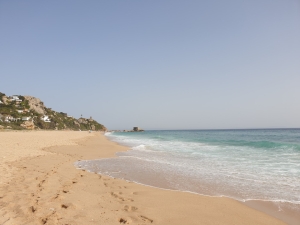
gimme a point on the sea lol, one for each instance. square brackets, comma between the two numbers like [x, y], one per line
[246, 165]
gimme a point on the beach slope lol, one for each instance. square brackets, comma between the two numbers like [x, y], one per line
[42, 186]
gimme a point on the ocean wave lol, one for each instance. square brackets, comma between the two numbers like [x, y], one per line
[263, 144]
[244, 165]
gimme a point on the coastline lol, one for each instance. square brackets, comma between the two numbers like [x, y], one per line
[47, 189]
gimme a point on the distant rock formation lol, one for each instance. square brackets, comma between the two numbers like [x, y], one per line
[76, 123]
[4, 99]
[35, 104]
[29, 125]
[135, 129]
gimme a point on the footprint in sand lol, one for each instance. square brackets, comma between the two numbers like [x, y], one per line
[130, 208]
[125, 221]
[32, 209]
[117, 196]
[41, 183]
[146, 219]
[68, 206]
[120, 198]
[57, 197]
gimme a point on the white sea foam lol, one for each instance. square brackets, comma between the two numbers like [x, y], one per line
[244, 165]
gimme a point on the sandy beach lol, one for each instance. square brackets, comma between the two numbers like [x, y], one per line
[40, 185]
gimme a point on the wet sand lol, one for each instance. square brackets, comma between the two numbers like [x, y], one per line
[42, 186]
[284, 212]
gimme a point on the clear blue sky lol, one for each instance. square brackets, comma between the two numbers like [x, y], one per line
[157, 64]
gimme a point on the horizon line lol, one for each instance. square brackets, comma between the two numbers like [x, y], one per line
[277, 128]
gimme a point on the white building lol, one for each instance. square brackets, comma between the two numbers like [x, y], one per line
[20, 111]
[9, 118]
[26, 118]
[14, 98]
[1, 102]
[46, 119]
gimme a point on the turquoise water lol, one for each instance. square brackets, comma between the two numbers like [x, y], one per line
[241, 164]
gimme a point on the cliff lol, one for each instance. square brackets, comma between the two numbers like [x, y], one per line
[27, 112]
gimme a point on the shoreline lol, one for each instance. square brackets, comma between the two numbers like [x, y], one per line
[48, 189]
[281, 212]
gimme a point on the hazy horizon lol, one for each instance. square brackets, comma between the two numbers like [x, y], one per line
[157, 65]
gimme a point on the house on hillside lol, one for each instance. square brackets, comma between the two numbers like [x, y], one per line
[26, 118]
[1, 102]
[8, 118]
[20, 110]
[14, 98]
[46, 119]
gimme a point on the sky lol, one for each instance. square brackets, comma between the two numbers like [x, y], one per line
[157, 64]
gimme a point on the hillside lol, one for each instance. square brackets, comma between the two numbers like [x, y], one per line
[26, 112]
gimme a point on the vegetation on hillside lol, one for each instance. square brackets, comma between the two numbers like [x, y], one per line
[18, 115]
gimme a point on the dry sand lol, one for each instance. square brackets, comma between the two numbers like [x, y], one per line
[41, 186]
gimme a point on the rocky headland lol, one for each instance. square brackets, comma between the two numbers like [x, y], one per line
[19, 112]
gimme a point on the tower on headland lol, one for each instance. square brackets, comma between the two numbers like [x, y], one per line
[136, 128]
